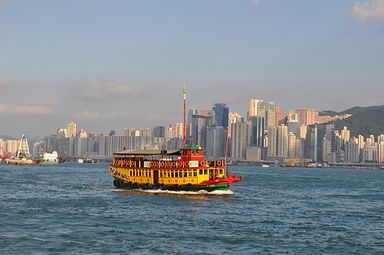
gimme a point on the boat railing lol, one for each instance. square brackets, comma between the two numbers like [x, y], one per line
[142, 163]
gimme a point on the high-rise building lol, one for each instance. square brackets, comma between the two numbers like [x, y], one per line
[62, 132]
[233, 117]
[294, 127]
[352, 151]
[271, 120]
[175, 130]
[370, 153]
[71, 129]
[280, 116]
[11, 146]
[293, 116]
[216, 138]
[282, 141]
[345, 136]
[272, 143]
[300, 147]
[329, 144]
[381, 151]
[83, 133]
[303, 132]
[221, 115]
[256, 108]
[159, 131]
[2, 147]
[306, 116]
[311, 143]
[256, 131]
[238, 140]
[200, 122]
[292, 145]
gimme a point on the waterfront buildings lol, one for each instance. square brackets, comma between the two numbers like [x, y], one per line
[264, 134]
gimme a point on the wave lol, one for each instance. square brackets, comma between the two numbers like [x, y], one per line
[185, 193]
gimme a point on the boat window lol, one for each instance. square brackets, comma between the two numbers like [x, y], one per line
[205, 171]
[161, 174]
[194, 173]
[185, 173]
[149, 173]
[172, 173]
[169, 173]
[200, 172]
[221, 171]
[190, 173]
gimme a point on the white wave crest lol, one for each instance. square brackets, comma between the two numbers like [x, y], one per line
[200, 192]
[186, 193]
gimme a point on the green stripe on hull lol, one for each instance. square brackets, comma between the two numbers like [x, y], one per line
[128, 185]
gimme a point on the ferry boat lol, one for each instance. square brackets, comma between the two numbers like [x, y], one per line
[177, 170]
[49, 158]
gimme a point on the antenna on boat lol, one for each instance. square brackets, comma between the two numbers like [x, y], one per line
[226, 152]
[125, 138]
[184, 124]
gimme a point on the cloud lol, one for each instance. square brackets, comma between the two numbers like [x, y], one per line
[4, 108]
[26, 109]
[98, 89]
[32, 110]
[4, 83]
[255, 2]
[92, 116]
[369, 10]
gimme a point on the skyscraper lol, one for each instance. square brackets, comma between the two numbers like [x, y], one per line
[256, 108]
[282, 141]
[238, 140]
[216, 141]
[71, 129]
[272, 143]
[257, 131]
[306, 116]
[345, 136]
[221, 115]
[271, 115]
[200, 122]
[159, 131]
[311, 143]
[280, 116]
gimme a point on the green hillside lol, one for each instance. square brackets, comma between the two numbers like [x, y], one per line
[364, 121]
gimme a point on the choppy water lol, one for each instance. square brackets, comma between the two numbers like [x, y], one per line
[74, 209]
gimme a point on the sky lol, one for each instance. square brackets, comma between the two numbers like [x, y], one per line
[110, 64]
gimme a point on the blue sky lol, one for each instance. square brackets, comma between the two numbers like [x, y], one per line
[119, 63]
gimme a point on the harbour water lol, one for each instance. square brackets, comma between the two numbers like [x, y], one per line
[74, 209]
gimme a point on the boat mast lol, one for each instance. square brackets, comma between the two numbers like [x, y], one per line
[226, 152]
[125, 138]
[23, 149]
[184, 124]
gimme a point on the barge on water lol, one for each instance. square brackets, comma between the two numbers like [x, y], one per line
[177, 170]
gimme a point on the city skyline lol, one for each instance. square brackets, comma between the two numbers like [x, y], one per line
[113, 65]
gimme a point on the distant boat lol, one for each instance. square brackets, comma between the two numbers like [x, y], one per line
[86, 161]
[49, 158]
[265, 165]
[22, 155]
